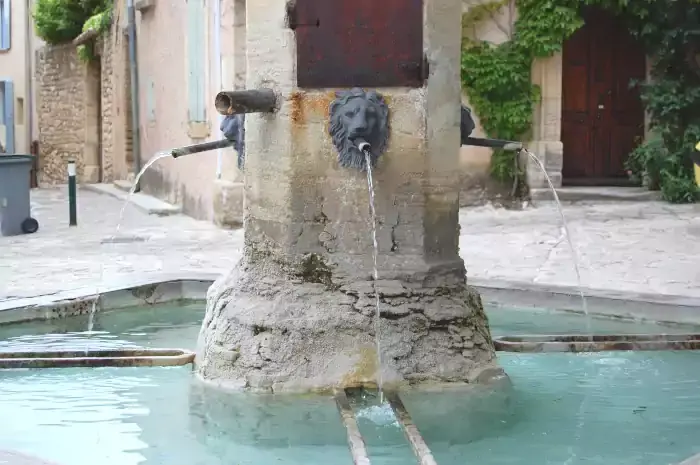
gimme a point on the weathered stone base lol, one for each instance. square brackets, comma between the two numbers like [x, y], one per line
[263, 331]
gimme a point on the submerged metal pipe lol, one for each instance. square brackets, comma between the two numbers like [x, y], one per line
[418, 445]
[231, 102]
[198, 148]
[358, 449]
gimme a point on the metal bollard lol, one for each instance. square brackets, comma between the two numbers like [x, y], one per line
[72, 195]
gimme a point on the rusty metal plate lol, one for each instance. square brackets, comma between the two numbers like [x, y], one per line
[358, 43]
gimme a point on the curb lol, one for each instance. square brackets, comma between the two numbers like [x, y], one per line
[143, 202]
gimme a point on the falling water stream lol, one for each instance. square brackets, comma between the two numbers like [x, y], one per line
[134, 186]
[572, 249]
[584, 304]
[112, 239]
[375, 253]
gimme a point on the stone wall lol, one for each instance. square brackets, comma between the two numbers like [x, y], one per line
[84, 112]
[107, 104]
[62, 92]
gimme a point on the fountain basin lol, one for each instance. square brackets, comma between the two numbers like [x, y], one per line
[624, 407]
[96, 358]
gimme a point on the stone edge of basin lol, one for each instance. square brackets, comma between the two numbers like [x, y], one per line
[133, 291]
[596, 343]
[627, 305]
[157, 288]
[142, 357]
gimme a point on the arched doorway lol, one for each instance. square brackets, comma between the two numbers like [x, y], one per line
[602, 116]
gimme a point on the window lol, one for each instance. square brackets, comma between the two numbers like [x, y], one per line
[196, 52]
[4, 25]
[7, 114]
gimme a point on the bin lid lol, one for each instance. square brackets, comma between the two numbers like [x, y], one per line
[8, 159]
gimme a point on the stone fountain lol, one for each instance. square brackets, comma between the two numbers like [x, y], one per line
[296, 313]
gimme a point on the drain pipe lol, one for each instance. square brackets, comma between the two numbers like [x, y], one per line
[135, 110]
[29, 82]
[219, 77]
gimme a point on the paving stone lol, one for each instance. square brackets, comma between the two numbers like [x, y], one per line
[647, 247]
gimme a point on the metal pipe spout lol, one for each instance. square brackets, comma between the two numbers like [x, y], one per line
[204, 147]
[229, 102]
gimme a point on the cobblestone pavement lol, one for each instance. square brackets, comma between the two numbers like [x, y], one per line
[649, 247]
[639, 247]
[59, 257]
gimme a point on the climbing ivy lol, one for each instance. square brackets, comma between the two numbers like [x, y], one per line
[670, 32]
[99, 22]
[61, 21]
[497, 78]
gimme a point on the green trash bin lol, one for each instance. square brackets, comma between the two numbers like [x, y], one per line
[15, 205]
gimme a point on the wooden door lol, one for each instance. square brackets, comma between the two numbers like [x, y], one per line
[602, 116]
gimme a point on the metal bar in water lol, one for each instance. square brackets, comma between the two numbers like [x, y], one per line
[358, 450]
[420, 448]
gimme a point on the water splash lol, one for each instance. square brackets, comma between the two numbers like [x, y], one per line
[91, 320]
[375, 253]
[380, 415]
[93, 310]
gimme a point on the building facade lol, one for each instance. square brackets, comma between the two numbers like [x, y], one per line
[587, 122]
[18, 42]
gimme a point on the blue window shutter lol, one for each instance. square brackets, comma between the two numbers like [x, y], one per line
[195, 60]
[5, 25]
[8, 110]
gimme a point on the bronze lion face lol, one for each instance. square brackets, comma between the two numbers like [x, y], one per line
[358, 116]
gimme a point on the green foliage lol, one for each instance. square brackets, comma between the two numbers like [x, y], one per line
[60, 21]
[99, 22]
[670, 32]
[647, 161]
[497, 79]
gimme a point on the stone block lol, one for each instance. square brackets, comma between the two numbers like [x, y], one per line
[228, 203]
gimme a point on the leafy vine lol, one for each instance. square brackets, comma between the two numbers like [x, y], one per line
[61, 21]
[497, 78]
[99, 22]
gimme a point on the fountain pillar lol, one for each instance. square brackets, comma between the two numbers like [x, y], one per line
[297, 312]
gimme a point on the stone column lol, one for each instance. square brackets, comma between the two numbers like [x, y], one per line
[546, 128]
[229, 192]
[298, 311]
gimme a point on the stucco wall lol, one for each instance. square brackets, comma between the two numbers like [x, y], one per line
[162, 49]
[13, 66]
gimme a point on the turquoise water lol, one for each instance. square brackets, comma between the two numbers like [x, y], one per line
[505, 321]
[626, 408]
[129, 416]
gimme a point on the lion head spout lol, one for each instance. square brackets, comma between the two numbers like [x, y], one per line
[356, 115]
